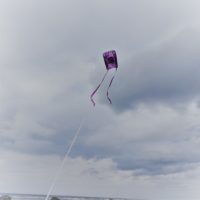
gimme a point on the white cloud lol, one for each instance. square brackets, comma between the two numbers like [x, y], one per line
[146, 144]
[92, 177]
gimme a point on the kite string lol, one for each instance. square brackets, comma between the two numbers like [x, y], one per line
[59, 170]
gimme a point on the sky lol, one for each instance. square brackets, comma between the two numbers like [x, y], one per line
[143, 146]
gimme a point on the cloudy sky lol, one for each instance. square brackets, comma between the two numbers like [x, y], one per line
[145, 145]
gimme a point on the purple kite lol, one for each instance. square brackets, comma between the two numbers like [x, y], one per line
[110, 59]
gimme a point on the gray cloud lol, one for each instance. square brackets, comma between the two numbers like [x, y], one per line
[150, 140]
[167, 73]
[51, 60]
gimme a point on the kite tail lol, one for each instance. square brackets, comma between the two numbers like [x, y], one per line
[91, 97]
[109, 87]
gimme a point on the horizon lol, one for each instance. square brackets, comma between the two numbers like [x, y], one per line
[146, 144]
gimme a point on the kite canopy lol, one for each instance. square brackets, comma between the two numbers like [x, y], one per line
[110, 59]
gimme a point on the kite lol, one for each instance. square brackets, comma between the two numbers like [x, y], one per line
[110, 59]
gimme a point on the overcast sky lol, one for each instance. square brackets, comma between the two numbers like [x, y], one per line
[147, 143]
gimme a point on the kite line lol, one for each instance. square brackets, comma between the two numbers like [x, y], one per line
[59, 170]
[110, 59]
